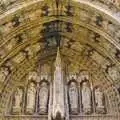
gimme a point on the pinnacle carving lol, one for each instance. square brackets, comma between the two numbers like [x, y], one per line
[58, 60]
[58, 89]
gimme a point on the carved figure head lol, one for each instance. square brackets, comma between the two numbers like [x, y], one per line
[32, 85]
[85, 84]
[44, 84]
[72, 84]
[98, 89]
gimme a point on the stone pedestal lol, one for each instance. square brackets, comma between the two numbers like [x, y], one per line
[16, 110]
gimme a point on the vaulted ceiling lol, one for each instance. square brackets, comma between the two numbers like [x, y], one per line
[87, 31]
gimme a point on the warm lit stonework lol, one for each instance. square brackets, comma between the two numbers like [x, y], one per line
[59, 59]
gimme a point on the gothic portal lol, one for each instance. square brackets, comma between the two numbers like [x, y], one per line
[59, 60]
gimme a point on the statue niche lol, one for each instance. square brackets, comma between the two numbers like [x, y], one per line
[43, 98]
[31, 96]
[99, 101]
[17, 101]
[86, 98]
[73, 98]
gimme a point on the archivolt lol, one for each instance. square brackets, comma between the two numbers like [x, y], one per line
[86, 20]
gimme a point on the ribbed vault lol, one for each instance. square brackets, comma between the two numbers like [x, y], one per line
[87, 31]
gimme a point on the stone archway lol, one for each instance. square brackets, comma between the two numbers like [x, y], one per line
[87, 32]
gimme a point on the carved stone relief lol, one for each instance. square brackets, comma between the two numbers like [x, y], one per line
[85, 102]
[34, 99]
[19, 57]
[45, 72]
[14, 25]
[83, 76]
[80, 98]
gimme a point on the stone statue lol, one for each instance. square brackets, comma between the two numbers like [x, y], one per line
[3, 73]
[31, 94]
[99, 100]
[32, 75]
[43, 98]
[113, 73]
[17, 101]
[86, 98]
[73, 98]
